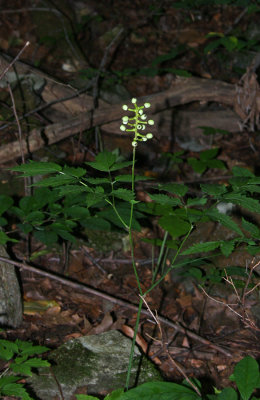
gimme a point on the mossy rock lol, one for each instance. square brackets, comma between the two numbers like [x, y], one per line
[98, 362]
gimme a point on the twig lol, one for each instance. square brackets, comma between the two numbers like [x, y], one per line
[165, 349]
[94, 262]
[222, 303]
[241, 299]
[125, 261]
[123, 303]
[57, 382]
[97, 79]
[14, 60]
[17, 122]
[51, 103]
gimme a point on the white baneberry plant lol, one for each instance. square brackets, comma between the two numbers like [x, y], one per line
[137, 124]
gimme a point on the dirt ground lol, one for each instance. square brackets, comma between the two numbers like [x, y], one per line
[71, 42]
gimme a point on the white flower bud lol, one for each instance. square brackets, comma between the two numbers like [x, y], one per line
[134, 143]
[151, 122]
[134, 100]
[144, 139]
[125, 120]
[141, 112]
[122, 128]
[149, 135]
[143, 117]
[147, 105]
[125, 107]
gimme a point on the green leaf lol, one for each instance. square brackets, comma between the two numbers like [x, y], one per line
[45, 196]
[77, 212]
[202, 247]
[25, 228]
[174, 188]
[176, 226]
[28, 204]
[227, 247]
[128, 178]
[212, 189]
[97, 181]
[207, 155]
[5, 203]
[197, 165]
[121, 165]
[115, 395]
[72, 171]
[28, 349]
[250, 188]
[103, 162]
[227, 394]
[3, 221]
[160, 391]
[243, 201]
[46, 237]
[163, 199]
[251, 228]
[35, 217]
[196, 202]
[25, 368]
[95, 197]
[55, 181]
[72, 189]
[37, 168]
[246, 375]
[216, 164]
[7, 379]
[123, 194]
[212, 46]
[124, 211]
[7, 349]
[239, 171]
[85, 397]
[96, 223]
[17, 390]
[224, 219]
[4, 238]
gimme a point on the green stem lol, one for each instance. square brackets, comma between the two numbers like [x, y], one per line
[118, 215]
[172, 263]
[160, 256]
[133, 344]
[130, 363]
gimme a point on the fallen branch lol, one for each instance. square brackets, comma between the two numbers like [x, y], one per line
[123, 303]
[182, 91]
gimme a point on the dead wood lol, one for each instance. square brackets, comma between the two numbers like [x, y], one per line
[182, 91]
[114, 300]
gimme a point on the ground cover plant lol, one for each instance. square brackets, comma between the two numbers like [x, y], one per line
[17, 361]
[70, 195]
[66, 201]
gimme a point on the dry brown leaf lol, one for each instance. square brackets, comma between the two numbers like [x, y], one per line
[72, 336]
[129, 332]
[105, 325]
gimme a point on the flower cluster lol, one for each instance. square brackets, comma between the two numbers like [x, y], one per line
[137, 122]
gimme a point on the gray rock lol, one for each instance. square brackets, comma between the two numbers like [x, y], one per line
[98, 362]
[11, 313]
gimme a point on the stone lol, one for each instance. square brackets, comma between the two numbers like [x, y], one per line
[98, 362]
[11, 312]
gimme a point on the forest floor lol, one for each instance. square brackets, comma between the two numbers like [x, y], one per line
[153, 41]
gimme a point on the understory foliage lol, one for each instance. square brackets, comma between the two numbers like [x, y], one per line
[17, 362]
[245, 376]
[102, 196]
